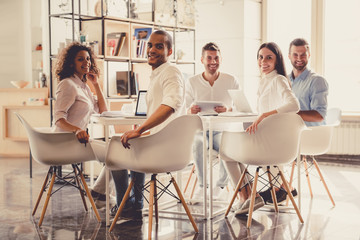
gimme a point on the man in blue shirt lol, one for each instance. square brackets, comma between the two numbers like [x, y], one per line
[310, 88]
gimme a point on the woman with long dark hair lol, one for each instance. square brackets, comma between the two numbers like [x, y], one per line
[274, 96]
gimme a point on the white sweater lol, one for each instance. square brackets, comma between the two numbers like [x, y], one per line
[274, 93]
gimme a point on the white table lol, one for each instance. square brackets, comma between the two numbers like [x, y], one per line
[106, 122]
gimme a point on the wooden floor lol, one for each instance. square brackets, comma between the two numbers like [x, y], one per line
[66, 219]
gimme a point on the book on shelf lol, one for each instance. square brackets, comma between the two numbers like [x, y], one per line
[122, 83]
[140, 38]
[120, 44]
[134, 84]
[115, 41]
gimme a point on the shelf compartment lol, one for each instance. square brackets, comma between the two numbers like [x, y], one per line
[115, 32]
[140, 34]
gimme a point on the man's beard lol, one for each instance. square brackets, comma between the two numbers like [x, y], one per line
[299, 68]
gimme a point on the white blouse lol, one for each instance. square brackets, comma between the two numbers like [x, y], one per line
[74, 102]
[275, 93]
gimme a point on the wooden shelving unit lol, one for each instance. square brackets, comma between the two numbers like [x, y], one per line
[99, 18]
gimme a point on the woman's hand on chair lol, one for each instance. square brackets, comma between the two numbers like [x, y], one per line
[82, 136]
[254, 126]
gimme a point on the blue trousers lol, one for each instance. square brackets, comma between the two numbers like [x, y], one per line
[121, 181]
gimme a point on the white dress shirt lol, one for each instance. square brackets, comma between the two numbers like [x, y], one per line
[74, 102]
[274, 93]
[198, 89]
[166, 87]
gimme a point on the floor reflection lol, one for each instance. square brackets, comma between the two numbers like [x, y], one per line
[81, 227]
[66, 219]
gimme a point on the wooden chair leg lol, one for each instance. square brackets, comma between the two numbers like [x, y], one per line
[323, 181]
[193, 188]
[122, 205]
[252, 201]
[80, 188]
[42, 191]
[156, 204]
[89, 196]
[151, 204]
[47, 197]
[184, 205]
[291, 196]
[236, 192]
[291, 180]
[308, 177]
[190, 176]
[273, 194]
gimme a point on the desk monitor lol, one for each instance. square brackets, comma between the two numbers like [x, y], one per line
[240, 101]
[141, 107]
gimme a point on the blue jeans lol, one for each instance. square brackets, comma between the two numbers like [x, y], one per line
[121, 181]
[198, 158]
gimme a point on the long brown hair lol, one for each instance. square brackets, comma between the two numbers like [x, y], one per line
[279, 66]
[65, 65]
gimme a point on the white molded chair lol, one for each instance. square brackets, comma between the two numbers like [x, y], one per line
[166, 151]
[56, 149]
[317, 141]
[275, 142]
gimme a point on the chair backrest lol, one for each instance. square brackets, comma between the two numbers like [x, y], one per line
[168, 150]
[275, 142]
[333, 116]
[54, 148]
[317, 140]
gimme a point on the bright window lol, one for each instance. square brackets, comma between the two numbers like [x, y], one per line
[342, 51]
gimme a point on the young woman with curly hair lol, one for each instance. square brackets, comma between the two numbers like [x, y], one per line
[75, 102]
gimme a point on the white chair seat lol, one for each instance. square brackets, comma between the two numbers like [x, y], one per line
[57, 149]
[166, 151]
[275, 142]
[317, 141]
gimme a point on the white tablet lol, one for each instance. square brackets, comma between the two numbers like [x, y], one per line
[208, 106]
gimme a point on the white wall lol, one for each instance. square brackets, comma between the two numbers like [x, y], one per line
[20, 31]
[221, 24]
[12, 62]
[235, 26]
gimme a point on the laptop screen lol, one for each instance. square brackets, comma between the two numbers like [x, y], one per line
[240, 101]
[141, 107]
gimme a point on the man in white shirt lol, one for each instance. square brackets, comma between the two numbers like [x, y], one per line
[165, 101]
[211, 85]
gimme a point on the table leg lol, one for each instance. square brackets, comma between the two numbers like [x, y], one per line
[210, 171]
[204, 173]
[107, 175]
[91, 162]
[30, 164]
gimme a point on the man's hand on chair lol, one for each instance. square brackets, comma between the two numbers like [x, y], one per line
[129, 135]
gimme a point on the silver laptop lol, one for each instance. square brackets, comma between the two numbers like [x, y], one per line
[242, 106]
